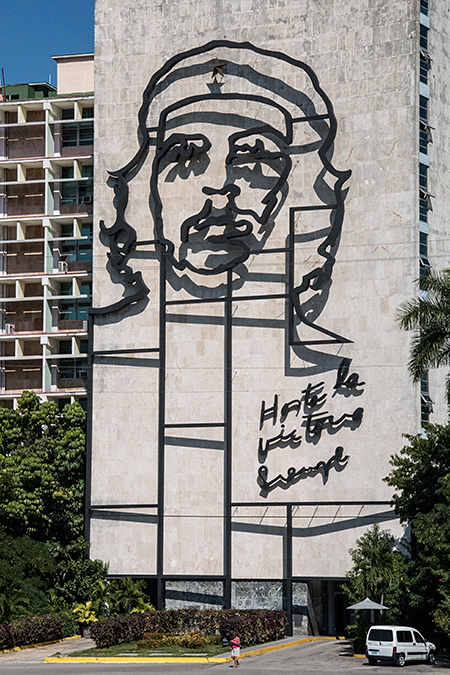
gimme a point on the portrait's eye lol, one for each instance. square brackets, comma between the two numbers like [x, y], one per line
[255, 151]
[183, 148]
[256, 159]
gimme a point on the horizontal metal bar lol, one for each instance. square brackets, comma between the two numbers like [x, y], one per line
[197, 301]
[204, 425]
[113, 352]
[319, 207]
[124, 506]
[235, 298]
[270, 250]
[310, 118]
[146, 242]
[274, 296]
[314, 503]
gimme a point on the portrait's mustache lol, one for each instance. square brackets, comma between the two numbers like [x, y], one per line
[204, 220]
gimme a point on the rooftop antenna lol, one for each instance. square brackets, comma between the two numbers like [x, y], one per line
[3, 85]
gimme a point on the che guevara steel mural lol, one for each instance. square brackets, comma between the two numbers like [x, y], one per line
[238, 183]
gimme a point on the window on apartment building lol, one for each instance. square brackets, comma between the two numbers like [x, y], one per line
[65, 347]
[426, 403]
[425, 265]
[423, 69]
[74, 309]
[424, 196]
[62, 402]
[76, 250]
[72, 369]
[77, 133]
[67, 228]
[423, 176]
[423, 108]
[423, 141]
[65, 288]
[424, 7]
[423, 209]
[423, 37]
[77, 192]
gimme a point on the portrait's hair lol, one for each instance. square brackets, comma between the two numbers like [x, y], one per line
[252, 74]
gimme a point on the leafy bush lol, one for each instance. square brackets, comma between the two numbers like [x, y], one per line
[194, 640]
[120, 629]
[84, 613]
[6, 637]
[33, 629]
[214, 639]
[152, 641]
[254, 625]
[69, 623]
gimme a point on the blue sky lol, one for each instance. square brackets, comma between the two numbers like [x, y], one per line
[32, 31]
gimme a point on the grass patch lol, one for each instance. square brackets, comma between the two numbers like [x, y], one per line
[173, 650]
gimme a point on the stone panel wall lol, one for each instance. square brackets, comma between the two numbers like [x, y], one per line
[365, 56]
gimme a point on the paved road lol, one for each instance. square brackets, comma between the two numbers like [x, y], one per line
[315, 658]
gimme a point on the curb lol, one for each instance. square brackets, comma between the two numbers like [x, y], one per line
[38, 644]
[175, 659]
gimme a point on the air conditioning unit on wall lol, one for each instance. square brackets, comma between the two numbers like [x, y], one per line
[9, 328]
[63, 266]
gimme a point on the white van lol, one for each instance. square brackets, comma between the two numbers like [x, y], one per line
[398, 644]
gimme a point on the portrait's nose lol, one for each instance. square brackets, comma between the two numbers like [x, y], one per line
[221, 197]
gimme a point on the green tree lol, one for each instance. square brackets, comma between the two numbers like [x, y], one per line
[377, 566]
[421, 478]
[76, 575]
[379, 572]
[429, 317]
[43, 556]
[42, 455]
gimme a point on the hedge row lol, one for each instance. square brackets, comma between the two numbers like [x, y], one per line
[254, 625]
[30, 630]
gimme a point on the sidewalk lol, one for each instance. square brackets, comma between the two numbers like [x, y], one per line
[39, 654]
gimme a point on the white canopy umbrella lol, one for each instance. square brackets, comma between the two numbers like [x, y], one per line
[368, 604]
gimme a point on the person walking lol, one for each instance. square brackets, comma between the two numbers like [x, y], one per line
[235, 648]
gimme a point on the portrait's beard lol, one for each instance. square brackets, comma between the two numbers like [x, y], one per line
[214, 240]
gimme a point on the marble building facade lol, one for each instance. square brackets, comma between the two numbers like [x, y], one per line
[261, 212]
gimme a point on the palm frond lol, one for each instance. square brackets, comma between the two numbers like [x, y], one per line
[429, 316]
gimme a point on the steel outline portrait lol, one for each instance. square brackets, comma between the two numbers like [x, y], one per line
[233, 235]
[122, 238]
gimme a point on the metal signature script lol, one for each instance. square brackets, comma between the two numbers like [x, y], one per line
[315, 420]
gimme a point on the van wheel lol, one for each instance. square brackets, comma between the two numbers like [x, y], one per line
[372, 662]
[401, 660]
[431, 658]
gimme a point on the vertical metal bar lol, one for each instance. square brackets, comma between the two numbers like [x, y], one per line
[291, 263]
[88, 477]
[289, 627]
[228, 360]
[161, 431]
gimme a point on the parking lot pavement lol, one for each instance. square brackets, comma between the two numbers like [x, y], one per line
[314, 658]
